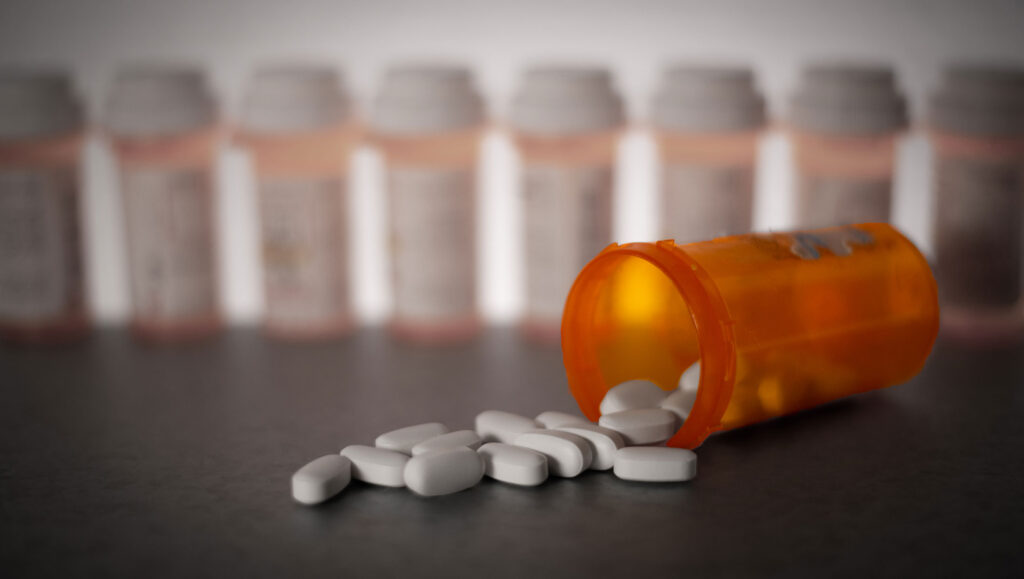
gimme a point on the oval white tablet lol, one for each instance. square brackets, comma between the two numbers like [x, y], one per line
[514, 464]
[378, 466]
[603, 442]
[642, 426]
[403, 439]
[554, 419]
[568, 455]
[655, 464]
[499, 426]
[444, 472]
[680, 402]
[632, 394]
[321, 479]
[690, 379]
[457, 439]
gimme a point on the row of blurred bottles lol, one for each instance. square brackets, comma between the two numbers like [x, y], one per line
[844, 122]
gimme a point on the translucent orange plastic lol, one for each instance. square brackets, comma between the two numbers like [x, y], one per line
[779, 322]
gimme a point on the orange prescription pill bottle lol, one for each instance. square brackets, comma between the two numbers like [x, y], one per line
[976, 128]
[428, 122]
[296, 121]
[707, 122]
[162, 121]
[779, 322]
[566, 122]
[42, 296]
[844, 123]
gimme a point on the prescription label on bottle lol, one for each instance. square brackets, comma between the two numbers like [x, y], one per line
[979, 214]
[171, 243]
[433, 234]
[40, 252]
[827, 200]
[701, 202]
[303, 242]
[567, 213]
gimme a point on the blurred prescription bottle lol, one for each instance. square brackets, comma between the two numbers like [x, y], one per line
[428, 122]
[779, 322]
[297, 123]
[844, 122]
[976, 126]
[566, 122]
[163, 125]
[42, 296]
[707, 123]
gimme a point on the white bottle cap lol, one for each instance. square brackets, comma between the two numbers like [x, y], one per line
[36, 104]
[427, 98]
[706, 99]
[561, 100]
[286, 99]
[978, 100]
[848, 99]
[157, 101]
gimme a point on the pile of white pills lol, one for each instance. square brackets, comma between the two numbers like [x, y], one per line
[431, 460]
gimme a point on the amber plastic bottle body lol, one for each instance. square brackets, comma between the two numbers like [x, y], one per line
[780, 322]
[43, 203]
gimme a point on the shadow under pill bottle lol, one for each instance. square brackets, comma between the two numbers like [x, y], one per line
[779, 322]
[297, 124]
[162, 123]
[42, 286]
[566, 122]
[707, 122]
[428, 121]
[976, 130]
[844, 124]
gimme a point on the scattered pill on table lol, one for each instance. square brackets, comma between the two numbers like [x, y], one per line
[321, 479]
[655, 464]
[512, 464]
[444, 472]
[378, 466]
[642, 425]
[568, 455]
[632, 395]
[403, 439]
[603, 442]
[460, 438]
[499, 426]
[554, 419]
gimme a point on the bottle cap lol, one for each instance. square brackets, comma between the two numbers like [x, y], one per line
[37, 103]
[285, 99]
[979, 100]
[155, 101]
[848, 99]
[426, 98]
[708, 99]
[559, 100]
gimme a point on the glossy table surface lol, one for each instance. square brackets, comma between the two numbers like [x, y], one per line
[120, 459]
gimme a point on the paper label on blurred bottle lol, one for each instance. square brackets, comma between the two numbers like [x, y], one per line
[171, 248]
[826, 200]
[433, 236]
[979, 210]
[304, 251]
[40, 247]
[702, 202]
[567, 214]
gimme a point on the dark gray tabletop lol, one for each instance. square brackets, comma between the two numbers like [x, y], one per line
[121, 459]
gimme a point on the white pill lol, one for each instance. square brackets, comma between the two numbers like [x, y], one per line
[632, 394]
[603, 442]
[498, 426]
[690, 379]
[404, 439]
[655, 464]
[568, 455]
[554, 419]
[514, 464]
[444, 472]
[457, 439]
[321, 479]
[378, 466]
[680, 402]
[642, 426]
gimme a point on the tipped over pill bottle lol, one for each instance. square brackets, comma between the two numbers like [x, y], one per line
[707, 123]
[162, 122]
[976, 128]
[844, 123]
[779, 322]
[566, 122]
[428, 122]
[296, 121]
[42, 296]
